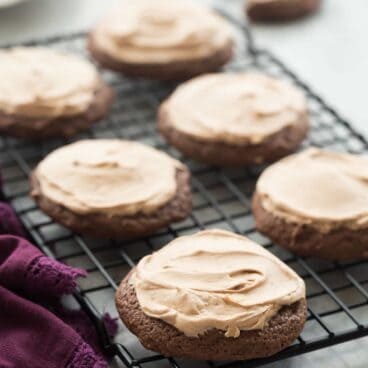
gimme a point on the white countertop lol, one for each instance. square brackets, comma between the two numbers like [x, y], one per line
[329, 51]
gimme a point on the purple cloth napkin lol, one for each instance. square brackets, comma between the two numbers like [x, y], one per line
[81, 323]
[9, 223]
[30, 335]
[25, 270]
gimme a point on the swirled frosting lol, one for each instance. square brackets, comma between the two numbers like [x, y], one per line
[43, 83]
[115, 177]
[214, 279]
[161, 31]
[235, 108]
[321, 188]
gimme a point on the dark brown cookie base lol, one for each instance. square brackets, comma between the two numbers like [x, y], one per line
[177, 70]
[157, 335]
[60, 127]
[120, 227]
[340, 244]
[278, 145]
[281, 10]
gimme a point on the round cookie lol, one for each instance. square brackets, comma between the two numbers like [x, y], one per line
[235, 119]
[213, 295]
[162, 39]
[112, 188]
[315, 203]
[280, 10]
[45, 93]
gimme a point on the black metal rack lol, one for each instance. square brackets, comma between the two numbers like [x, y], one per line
[337, 292]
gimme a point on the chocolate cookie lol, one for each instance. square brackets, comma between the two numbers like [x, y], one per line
[45, 93]
[162, 40]
[155, 304]
[59, 127]
[159, 336]
[315, 204]
[234, 119]
[280, 10]
[178, 70]
[113, 200]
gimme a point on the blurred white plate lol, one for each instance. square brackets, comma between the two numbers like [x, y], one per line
[6, 3]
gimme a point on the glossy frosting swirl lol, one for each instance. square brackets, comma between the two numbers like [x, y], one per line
[45, 83]
[114, 177]
[214, 279]
[321, 188]
[160, 31]
[234, 108]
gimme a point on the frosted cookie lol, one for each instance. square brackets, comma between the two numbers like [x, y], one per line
[280, 10]
[213, 295]
[315, 203]
[112, 188]
[45, 93]
[234, 119]
[162, 39]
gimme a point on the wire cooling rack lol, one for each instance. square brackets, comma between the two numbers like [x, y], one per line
[337, 292]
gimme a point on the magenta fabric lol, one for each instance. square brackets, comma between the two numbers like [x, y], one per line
[24, 269]
[81, 323]
[9, 223]
[30, 335]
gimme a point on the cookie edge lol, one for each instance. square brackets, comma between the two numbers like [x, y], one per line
[339, 244]
[268, 12]
[274, 147]
[120, 227]
[60, 127]
[167, 340]
[176, 70]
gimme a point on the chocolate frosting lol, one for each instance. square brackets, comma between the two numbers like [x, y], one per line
[235, 108]
[321, 188]
[45, 83]
[215, 279]
[114, 177]
[161, 31]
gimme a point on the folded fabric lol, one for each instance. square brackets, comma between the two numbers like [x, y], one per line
[25, 270]
[9, 223]
[81, 323]
[32, 337]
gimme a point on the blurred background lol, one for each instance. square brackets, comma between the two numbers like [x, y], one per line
[328, 50]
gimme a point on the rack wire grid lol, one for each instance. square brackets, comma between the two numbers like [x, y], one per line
[337, 292]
